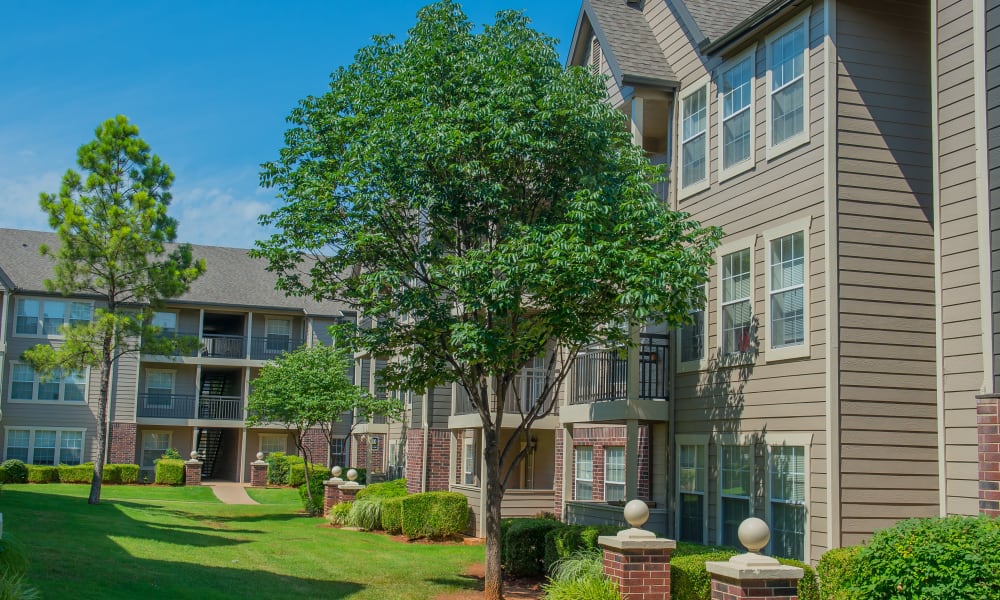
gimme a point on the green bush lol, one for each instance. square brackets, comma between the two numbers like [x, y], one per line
[836, 570]
[435, 515]
[121, 473]
[170, 471]
[340, 513]
[17, 588]
[76, 473]
[43, 474]
[13, 558]
[278, 465]
[172, 454]
[808, 586]
[522, 549]
[688, 578]
[297, 473]
[938, 558]
[388, 489]
[562, 542]
[392, 515]
[580, 575]
[15, 471]
[366, 514]
[317, 477]
[3, 475]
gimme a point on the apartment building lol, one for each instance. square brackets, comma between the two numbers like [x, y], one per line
[187, 402]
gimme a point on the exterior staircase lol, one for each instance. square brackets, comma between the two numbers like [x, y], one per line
[209, 443]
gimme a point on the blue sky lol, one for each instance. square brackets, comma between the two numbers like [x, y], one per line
[208, 83]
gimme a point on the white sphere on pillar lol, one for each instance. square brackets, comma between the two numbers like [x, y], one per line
[754, 534]
[636, 513]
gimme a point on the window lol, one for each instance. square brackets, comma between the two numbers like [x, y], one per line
[694, 139]
[691, 473]
[273, 442]
[166, 321]
[45, 446]
[532, 383]
[159, 388]
[584, 469]
[45, 317]
[692, 335]
[279, 334]
[735, 300]
[788, 87]
[736, 475]
[27, 386]
[154, 444]
[614, 473]
[470, 462]
[736, 116]
[787, 487]
[787, 331]
[338, 452]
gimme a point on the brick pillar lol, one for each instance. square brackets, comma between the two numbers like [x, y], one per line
[989, 454]
[258, 472]
[192, 472]
[349, 490]
[752, 576]
[122, 447]
[331, 493]
[726, 588]
[637, 560]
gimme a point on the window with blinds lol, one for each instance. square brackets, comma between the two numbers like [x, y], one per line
[736, 304]
[735, 490]
[691, 473]
[787, 290]
[787, 485]
[584, 473]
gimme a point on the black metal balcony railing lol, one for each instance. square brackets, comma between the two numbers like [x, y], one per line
[223, 346]
[220, 407]
[272, 346]
[166, 406]
[528, 389]
[601, 373]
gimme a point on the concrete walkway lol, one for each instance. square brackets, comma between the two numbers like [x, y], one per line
[229, 492]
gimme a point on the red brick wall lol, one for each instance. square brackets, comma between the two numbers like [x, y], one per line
[316, 445]
[599, 438]
[758, 589]
[360, 459]
[640, 574]
[438, 453]
[989, 456]
[122, 447]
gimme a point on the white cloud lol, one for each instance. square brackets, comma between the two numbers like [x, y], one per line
[19, 199]
[218, 216]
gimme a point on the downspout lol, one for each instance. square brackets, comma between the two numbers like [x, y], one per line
[426, 425]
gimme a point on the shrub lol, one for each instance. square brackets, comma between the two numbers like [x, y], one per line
[435, 515]
[278, 464]
[389, 489]
[3, 475]
[366, 514]
[808, 586]
[688, 578]
[76, 473]
[392, 515]
[317, 477]
[15, 471]
[580, 575]
[170, 471]
[43, 474]
[562, 542]
[17, 588]
[172, 454]
[340, 513]
[938, 558]
[297, 473]
[121, 473]
[522, 549]
[836, 570]
[13, 558]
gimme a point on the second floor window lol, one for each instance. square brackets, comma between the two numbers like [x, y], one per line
[736, 302]
[45, 317]
[166, 321]
[787, 289]
[159, 388]
[788, 88]
[736, 96]
[694, 139]
[692, 335]
[26, 385]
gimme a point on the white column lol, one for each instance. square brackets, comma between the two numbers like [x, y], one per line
[636, 121]
[243, 455]
[249, 334]
[632, 425]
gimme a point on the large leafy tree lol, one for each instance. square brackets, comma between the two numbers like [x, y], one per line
[308, 388]
[113, 232]
[486, 207]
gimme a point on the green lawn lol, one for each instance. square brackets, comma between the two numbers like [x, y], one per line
[152, 542]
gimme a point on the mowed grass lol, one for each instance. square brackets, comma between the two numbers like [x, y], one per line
[154, 542]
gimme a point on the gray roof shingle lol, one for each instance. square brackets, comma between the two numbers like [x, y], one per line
[231, 277]
[716, 18]
[633, 46]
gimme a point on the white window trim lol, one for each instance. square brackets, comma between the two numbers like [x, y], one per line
[792, 439]
[731, 443]
[799, 350]
[62, 390]
[283, 436]
[683, 189]
[41, 327]
[720, 252]
[469, 467]
[773, 151]
[142, 443]
[607, 479]
[576, 476]
[702, 363]
[751, 162]
[690, 439]
[31, 441]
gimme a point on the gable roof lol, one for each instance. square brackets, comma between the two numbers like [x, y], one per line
[628, 43]
[231, 278]
[724, 21]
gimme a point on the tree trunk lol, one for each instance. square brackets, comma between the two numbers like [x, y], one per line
[493, 589]
[305, 468]
[102, 427]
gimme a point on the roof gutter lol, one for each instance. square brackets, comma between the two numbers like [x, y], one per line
[763, 15]
[656, 83]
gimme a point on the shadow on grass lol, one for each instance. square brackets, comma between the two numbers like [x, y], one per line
[465, 582]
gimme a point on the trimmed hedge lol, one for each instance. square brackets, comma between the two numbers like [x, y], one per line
[278, 465]
[562, 542]
[170, 471]
[688, 578]
[43, 474]
[435, 515]
[297, 473]
[392, 515]
[3, 475]
[76, 473]
[15, 471]
[522, 547]
[121, 473]
[936, 558]
[836, 569]
[388, 489]
[317, 477]
[808, 587]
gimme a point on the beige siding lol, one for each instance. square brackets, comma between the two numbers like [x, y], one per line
[887, 381]
[961, 323]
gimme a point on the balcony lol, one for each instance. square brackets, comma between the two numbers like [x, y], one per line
[165, 406]
[223, 346]
[529, 385]
[272, 346]
[228, 408]
[601, 373]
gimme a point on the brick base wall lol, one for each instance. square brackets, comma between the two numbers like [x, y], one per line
[988, 425]
[438, 454]
[316, 445]
[599, 438]
[192, 473]
[640, 574]
[258, 475]
[754, 589]
[121, 449]
[331, 496]
[361, 456]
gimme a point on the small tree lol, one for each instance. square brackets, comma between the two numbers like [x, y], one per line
[308, 388]
[485, 207]
[113, 229]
